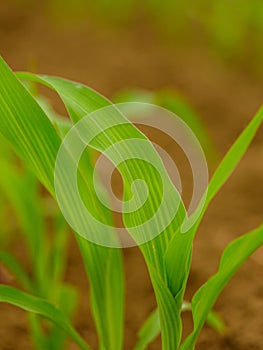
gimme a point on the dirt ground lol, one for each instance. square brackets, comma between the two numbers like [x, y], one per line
[225, 96]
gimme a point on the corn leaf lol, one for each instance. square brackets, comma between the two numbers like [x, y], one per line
[149, 331]
[67, 302]
[26, 126]
[179, 251]
[32, 135]
[233, 257]
[233, 156]
[41, 307]
[216, 322]
[38, 337]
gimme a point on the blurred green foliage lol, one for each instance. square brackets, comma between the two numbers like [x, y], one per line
[35, 220]
[230, 26]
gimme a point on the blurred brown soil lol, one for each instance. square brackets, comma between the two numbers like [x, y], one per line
[226, 97]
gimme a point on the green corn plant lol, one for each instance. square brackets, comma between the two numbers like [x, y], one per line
[37, 139]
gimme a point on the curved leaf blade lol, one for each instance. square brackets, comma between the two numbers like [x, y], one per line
[41, 307]
[75, 97]
[29, 130]
[179, 251]
[149, 331]
[233, 257]
[34, 137]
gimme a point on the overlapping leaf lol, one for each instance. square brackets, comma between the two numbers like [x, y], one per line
[76, 99]
[31, 133]
[178, 254]
[168, 256]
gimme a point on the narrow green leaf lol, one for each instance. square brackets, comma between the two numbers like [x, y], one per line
[149, 331]
[233, 156]
[40, 340]
[41, 307]
[179, 251]
[233, 257]
[26, 126]
[67, 301]
[31, 133]
[216, 322]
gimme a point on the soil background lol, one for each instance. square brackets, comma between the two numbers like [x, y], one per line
[226, 96]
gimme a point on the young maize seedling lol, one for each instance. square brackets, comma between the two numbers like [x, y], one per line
[168, 255]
